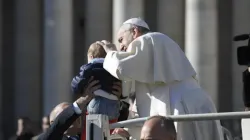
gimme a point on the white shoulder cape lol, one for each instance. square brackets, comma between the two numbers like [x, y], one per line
[150, 58]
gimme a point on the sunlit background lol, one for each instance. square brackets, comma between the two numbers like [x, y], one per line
[43, 43]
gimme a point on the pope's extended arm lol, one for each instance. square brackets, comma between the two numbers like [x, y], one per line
[135, 64]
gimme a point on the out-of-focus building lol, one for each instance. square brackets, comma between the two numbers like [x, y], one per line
[43, 43]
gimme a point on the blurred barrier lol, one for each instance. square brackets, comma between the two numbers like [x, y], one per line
[189, 117]
[100, 130]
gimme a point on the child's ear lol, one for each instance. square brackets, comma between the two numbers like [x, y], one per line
[90, 56]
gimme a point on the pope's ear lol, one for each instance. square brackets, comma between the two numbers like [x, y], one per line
[136, 32]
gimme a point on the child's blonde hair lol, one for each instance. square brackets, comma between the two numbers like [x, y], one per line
[96, 51]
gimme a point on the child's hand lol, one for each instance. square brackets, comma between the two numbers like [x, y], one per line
[117, 89]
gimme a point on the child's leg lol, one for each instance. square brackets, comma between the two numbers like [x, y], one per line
[101, 105]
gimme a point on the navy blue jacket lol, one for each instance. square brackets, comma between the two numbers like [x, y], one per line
[95, 69]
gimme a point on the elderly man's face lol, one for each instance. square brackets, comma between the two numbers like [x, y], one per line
[125, 37]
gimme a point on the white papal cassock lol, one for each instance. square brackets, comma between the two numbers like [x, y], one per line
[164, 84]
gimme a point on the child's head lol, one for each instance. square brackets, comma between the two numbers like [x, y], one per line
[96, 51]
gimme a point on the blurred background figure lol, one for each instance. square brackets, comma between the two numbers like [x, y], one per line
[45, 123]
[24, 129]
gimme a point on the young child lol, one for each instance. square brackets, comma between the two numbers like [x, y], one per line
[105, 102]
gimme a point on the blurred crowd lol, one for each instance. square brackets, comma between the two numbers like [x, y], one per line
[26, 129]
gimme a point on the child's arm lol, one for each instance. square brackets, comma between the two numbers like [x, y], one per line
[81, 80]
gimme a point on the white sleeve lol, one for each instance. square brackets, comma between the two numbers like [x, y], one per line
[112, 64]
[135, 64]
[77, 108]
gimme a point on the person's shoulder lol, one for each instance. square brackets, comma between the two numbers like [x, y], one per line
[160, 37]
[152, 35]
[97, 60]
[90, 66]
[95, 65]
[83, 67]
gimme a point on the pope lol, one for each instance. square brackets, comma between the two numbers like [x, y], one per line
[154, 67]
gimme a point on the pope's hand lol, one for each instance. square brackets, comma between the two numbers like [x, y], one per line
[107, 46]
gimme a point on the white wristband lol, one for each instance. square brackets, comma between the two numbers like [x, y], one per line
[77, 108]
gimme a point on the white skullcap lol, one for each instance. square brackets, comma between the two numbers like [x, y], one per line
[137, 22]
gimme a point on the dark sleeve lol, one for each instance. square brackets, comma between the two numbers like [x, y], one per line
[60, 125]
[124, 111]
[80, 81]
[246, 88]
